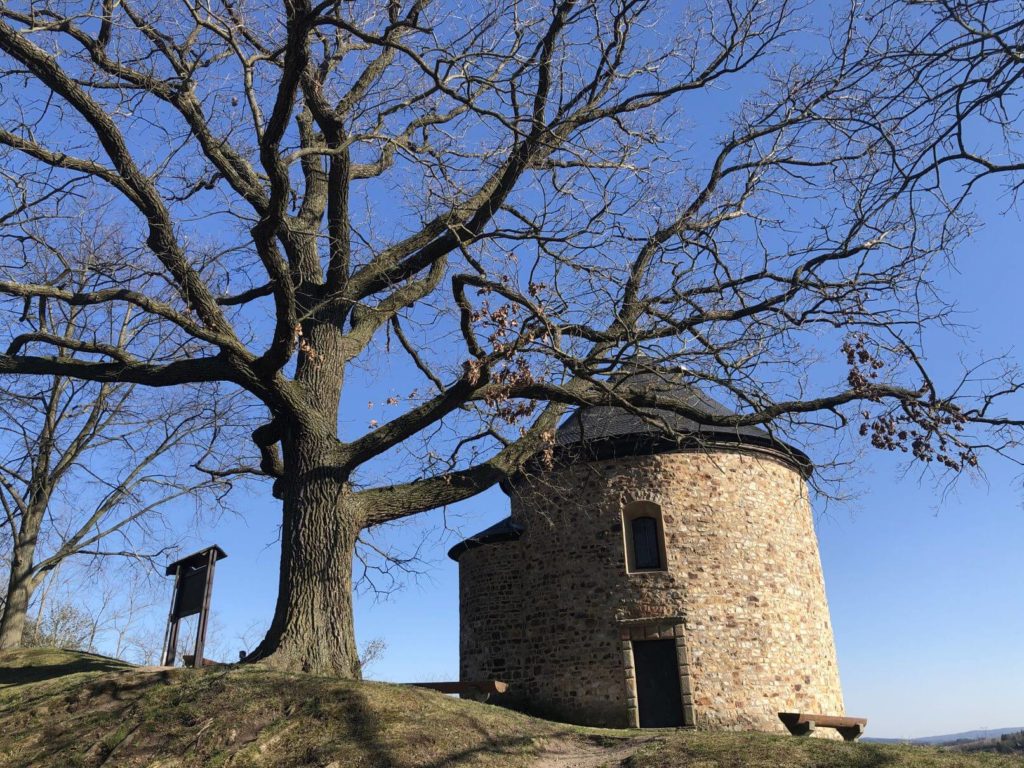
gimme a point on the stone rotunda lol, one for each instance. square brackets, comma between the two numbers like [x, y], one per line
[653, 580]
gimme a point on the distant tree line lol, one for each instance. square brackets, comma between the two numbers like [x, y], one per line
[1006, 744]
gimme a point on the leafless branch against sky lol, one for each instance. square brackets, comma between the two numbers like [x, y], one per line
[512, 199]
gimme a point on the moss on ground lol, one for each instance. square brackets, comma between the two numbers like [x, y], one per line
[60, 708]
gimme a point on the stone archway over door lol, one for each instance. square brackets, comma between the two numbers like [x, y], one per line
[669, 632]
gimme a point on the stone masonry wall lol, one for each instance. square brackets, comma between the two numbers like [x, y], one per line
[743, 582]
[491, 622]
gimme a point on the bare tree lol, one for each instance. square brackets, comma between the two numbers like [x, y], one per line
[91, 478]
[87, 469]
[112, 615]
[506, 199]
[948, 85]
[936, 110]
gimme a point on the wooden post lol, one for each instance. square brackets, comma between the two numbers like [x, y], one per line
[171, 634]
[211, 561]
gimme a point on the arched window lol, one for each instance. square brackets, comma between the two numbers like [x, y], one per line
[646, 555]
[643, 536]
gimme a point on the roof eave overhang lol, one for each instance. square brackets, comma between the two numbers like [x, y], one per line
[510, 532]
[649, 445]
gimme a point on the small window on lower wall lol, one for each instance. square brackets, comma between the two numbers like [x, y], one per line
[644, 537]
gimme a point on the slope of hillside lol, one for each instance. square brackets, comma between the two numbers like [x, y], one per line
[59, 708]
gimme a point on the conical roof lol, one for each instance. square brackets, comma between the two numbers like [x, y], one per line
[602, 431]
[601, 422]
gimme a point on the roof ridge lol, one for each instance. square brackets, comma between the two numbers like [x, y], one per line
[598, 422]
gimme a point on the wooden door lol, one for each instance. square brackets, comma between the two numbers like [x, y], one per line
[657, 683]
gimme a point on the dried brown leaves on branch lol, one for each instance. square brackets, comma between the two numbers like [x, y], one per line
[505, 201]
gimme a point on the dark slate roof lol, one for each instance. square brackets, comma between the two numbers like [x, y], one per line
[599, 432]
[602, 422]
[505, 530]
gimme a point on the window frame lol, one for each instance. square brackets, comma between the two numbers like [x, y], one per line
[640, 509]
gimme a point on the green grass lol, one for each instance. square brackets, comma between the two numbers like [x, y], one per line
[760, 750]
[59, 708]
[69, 709]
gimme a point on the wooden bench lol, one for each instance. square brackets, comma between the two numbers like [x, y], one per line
[803, 724]
[479, 690]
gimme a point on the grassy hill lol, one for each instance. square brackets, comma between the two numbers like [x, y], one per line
[59, 708]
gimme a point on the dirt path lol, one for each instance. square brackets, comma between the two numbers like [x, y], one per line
[577, 753]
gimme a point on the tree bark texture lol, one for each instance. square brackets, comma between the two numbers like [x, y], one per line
[20, 584]
[312, 629]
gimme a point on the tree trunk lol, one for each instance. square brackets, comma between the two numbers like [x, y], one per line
[19, 595]
[313, 629]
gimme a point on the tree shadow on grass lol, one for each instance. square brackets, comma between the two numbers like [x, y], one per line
[37, 673]
[878, 758]
[366, 729]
